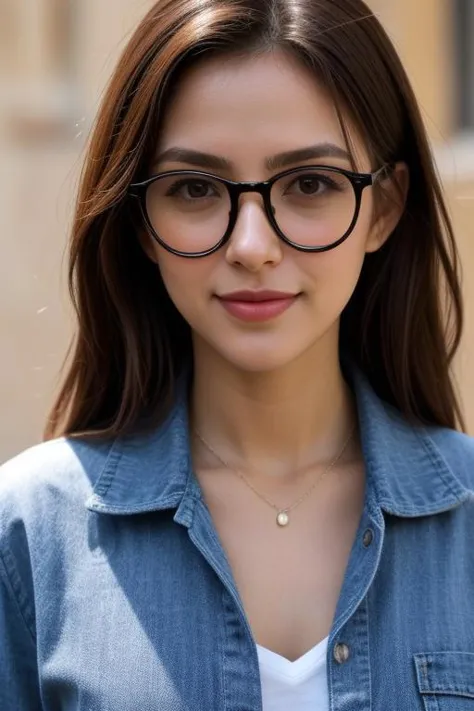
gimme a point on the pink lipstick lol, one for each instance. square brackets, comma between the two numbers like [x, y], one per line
[254, 306]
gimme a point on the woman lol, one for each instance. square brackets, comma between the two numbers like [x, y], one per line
[255, 495]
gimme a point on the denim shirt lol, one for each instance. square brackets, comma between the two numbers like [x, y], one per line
[116, 593]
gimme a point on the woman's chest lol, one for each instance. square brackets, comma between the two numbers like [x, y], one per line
[289, 581]
[288, 578]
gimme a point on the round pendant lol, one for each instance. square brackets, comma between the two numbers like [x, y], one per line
[283, 519]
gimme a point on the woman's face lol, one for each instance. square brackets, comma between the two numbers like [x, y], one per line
[247, 111]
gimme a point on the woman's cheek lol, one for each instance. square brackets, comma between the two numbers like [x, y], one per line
[187, 283]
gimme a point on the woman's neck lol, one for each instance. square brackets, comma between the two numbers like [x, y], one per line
[274, 423]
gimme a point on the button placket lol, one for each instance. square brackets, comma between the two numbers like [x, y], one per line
[349, 668]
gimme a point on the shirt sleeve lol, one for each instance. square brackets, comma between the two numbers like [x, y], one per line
[19, 687]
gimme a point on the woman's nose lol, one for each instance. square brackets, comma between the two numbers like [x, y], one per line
[253, 242]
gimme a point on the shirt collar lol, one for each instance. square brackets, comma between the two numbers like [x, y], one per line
[407, 474]
[406, 470]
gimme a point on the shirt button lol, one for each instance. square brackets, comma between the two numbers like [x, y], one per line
[341, 653]
[368, 538]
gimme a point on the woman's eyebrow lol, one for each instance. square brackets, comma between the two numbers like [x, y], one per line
[281, 160]
[316, 152]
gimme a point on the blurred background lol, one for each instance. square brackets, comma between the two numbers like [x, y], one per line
[55, 59]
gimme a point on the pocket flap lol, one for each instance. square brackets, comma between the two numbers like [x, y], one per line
[445, 673]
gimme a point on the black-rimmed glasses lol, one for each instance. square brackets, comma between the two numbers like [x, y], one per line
[312, 208]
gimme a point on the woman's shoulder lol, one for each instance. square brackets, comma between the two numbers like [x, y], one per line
[43, 516]
[44, 477]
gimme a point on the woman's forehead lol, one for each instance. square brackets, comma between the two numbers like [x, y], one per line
[250, 107]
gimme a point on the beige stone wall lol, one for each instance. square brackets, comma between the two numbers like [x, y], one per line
[51, 78]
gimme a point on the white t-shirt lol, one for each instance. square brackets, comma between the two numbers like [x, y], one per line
[300, 685]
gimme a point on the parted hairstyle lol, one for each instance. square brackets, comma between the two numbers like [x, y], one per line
[403, 323]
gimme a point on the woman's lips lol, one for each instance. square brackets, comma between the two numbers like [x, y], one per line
[257, 307]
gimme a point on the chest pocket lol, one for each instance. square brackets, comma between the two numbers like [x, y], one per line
[446, 680]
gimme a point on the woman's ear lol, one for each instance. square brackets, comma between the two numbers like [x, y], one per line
[390, 205]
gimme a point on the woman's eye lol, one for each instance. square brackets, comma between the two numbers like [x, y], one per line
[314, 184]
[309, 185]
[193, 189]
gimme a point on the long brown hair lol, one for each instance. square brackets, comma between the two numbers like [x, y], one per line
[403, 324]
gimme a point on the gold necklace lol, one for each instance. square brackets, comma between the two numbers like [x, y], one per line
[282, 518]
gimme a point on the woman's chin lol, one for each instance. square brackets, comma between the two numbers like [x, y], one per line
[260, 360]
[262, 352]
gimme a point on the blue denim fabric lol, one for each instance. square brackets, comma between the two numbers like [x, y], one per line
[116, 595]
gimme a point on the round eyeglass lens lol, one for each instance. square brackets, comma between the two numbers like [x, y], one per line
[313, 207]
[189, 213]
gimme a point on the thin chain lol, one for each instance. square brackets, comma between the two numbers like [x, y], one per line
[258, 493]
